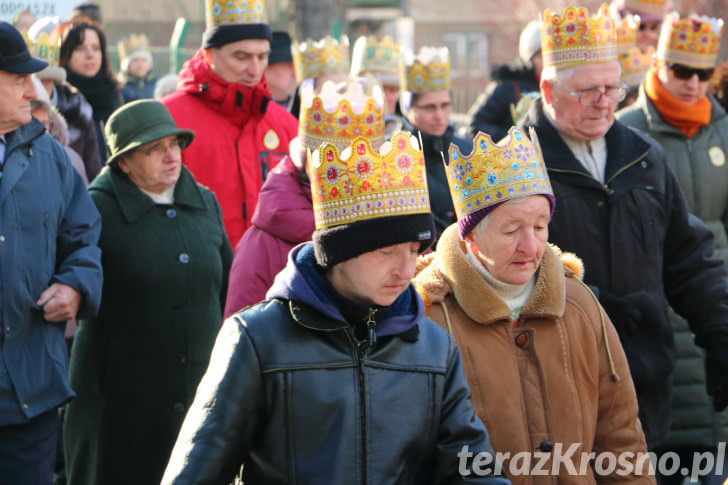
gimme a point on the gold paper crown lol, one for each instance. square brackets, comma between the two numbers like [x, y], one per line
[496, 172]
[44, 49]
[234, 12]
[427, 72]
[337, 118]
[627, 28]
[575, 39]
[635, 64]
[361, 184]
[652, 7]
[326, 56]
[133, 43]
[692, 41]
[374, 55]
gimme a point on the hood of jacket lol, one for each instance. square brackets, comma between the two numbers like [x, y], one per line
[234, 100]
[284, 206]
[302, 282]
[448, 271]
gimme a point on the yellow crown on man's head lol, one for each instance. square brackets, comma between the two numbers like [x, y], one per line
[653, 7]
[235, 12]
[575, 39]
[132, 44]
[323, 57]
[44, 49]
[359, 183]
[692, 41]
[380, 56]
[338, 117]
[496, 172]
[428, 72]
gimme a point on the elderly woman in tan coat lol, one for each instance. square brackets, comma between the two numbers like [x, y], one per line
[547, 372]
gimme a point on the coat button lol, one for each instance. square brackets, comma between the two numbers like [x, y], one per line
[182, 359]
[546, 446]
[179, 408]
[644, 164]
[2, 238]
[184, 258]
[600, 204]
[522, 340]
[171, 213]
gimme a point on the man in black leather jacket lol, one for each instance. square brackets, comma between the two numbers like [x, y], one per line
[620, 209]
[338, 377]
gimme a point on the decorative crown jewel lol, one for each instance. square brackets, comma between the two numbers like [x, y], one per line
[234, 12]
[635, 65]
[375, 55]
[575, 39]
[496, 172]
[133, 43]
[652, 7]
[692, 41]
[44, 49]
[427, 72]
[359, 183]
[338, 117]
[326, 56]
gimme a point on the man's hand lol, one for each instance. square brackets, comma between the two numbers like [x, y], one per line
[59, 303]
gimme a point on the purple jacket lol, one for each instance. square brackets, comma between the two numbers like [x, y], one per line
[282, 220]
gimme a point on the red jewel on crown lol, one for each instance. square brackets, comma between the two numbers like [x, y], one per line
[330, 156]
[360, 149]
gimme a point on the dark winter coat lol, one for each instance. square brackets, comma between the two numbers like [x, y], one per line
[136, 366]
[434, 148]
[82, 135]
[704, 181]
[293, 394]
[491, 112]
[282, 220]
[49, 230]
[634, 233]
[138, 87]
[239, 136]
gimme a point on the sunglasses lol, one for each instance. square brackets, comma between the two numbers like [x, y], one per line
[685, 72]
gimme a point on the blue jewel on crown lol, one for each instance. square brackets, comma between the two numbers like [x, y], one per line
[515, 166]
[517, 136]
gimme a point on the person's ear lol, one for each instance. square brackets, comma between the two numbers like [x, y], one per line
[546, 86]
[123, 165]
[470, 242]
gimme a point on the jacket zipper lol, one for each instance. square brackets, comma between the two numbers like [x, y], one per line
[605, 186]
[360, 348]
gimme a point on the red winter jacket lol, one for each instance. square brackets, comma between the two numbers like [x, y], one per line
[283, 219]
[239, 136]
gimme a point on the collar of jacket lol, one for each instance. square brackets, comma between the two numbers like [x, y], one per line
[134, 203]
[450, 272]
[23, 136]
[656, 123]
[234, 100]
[624, 149]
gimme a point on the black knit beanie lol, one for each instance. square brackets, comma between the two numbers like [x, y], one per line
[219, 35]
[334, 245]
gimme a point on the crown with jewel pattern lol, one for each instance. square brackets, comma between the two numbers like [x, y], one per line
[496, 172]
[323, 57]
[132, 44]
[359, 183]
[43, 48]
[380, 56]
[635, 63]
[427, 72]
[338, 117]
[234, 12]
[627, 32]
[652, 7]
[574, 38]
[692, 41]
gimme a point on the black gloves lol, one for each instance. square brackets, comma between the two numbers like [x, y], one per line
[716, 370]
[624, 311]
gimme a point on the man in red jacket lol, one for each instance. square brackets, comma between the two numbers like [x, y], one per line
[223, 97]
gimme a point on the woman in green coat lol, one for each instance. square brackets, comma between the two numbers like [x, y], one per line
[165, 256]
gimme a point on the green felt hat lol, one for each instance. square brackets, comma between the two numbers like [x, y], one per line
[138, 123]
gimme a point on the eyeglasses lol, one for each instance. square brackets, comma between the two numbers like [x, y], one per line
[686, 72]
[587, 97]
[160, 149]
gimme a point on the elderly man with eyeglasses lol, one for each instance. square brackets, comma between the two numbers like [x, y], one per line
[675, 108]
[620, 209]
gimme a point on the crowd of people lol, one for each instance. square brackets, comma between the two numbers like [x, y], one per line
[286, 264]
